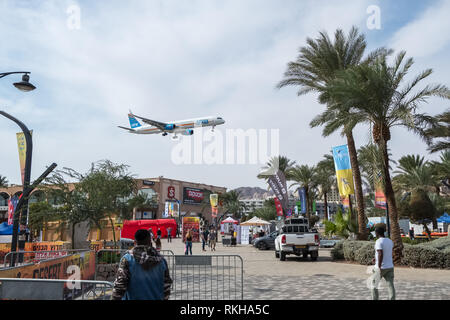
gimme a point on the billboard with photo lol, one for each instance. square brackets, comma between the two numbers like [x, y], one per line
[193, 195]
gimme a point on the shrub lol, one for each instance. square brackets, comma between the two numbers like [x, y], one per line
[337, 253]
[446, 262]
[366, 253]
[350, 248]
[440, 244]
[413, 242]
[420, 256]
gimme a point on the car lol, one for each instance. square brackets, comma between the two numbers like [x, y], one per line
[266, 242]
[328, 243]
[296, 238]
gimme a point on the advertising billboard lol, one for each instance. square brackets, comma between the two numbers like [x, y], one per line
[193, 196]
[193, 224]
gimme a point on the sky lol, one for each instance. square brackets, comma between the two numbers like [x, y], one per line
[167, 60]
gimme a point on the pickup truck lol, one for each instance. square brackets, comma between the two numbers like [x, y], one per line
[295, 238]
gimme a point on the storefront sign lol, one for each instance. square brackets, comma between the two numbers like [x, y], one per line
[148, 183]
[193, 196]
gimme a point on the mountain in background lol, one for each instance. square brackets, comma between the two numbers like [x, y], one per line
[254, 193]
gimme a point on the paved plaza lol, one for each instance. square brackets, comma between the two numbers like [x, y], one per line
[265, 277]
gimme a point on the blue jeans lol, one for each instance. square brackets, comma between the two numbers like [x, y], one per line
[188, 248]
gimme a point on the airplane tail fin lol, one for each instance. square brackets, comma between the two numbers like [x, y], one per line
[134, 123]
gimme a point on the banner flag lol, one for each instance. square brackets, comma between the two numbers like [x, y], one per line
[279, 207]
[214, 200]
[277, 183]
[22, 147]
[302, 195]
[343, 170]
[12, 204]
[380, 197]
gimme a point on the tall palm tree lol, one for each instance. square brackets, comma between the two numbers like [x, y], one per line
[325, 179]
[439, 129]
[373, 92]
[3, 182]
[304, 177]
[317, 65]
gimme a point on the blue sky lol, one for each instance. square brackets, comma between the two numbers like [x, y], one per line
[170, 60]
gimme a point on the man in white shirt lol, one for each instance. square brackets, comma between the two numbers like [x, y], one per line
[384, 266]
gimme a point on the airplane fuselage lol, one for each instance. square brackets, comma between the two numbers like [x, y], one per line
[182, 127]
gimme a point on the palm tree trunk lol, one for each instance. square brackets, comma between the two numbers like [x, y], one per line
[393, 215]
[325, 202]
[362, 230]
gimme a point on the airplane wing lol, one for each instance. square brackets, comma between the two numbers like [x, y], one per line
[128, 129]
[160, 125]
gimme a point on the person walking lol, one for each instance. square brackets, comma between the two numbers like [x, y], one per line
[384, 266]
[205, 235]
[212, 239]
[158, 233]
[158, 244]
[152, 236]
[169, 234]
[143, 273]
[188, 243]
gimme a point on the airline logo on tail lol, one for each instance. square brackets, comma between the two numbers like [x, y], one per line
[134, 123]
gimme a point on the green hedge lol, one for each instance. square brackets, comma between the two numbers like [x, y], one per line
[337, 252]
[434, 254]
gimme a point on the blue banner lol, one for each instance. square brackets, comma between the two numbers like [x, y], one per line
[302, 195]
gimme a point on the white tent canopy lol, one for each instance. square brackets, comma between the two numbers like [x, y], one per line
[255, 221]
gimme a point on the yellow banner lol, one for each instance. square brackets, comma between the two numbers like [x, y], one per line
[22, 146]
[345, 182]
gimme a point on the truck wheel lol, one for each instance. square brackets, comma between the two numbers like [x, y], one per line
[314, 255]
[277, 255]
[305, 255]
[282, 256]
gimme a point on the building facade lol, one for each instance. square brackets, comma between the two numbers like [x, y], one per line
[171, 199]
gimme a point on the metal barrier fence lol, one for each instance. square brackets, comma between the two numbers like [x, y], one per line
[26, 257]
[110, 259]
[214, 277]
[46, 289]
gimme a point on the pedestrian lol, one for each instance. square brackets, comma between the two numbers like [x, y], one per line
[212, 239]
[158, 233]
[384, 266]
[411, 233]
[169, 234]
[158, 244]
[143, 273]
[205, 235]
[188, 242]
[152, 236]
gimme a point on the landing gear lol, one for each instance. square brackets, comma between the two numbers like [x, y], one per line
[175, 137]
[212, 129]
[164, 134]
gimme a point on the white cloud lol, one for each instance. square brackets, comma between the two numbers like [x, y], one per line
[426, 35]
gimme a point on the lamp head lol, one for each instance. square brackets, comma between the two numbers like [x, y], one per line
[25, 85]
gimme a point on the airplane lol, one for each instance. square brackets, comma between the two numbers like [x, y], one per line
[184, 127]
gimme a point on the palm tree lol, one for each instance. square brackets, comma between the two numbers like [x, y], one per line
[231, 203]
[317, 65]
[325, 179]
[442, 168]
[439, 129]
[284, 164]
[3, 182]
[371, 91]
[304, 177]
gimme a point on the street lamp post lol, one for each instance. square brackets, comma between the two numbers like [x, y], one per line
[25, 86]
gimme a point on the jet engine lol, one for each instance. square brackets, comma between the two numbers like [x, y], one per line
[188, 132]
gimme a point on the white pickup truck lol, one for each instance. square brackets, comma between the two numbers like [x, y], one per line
[295, 238]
